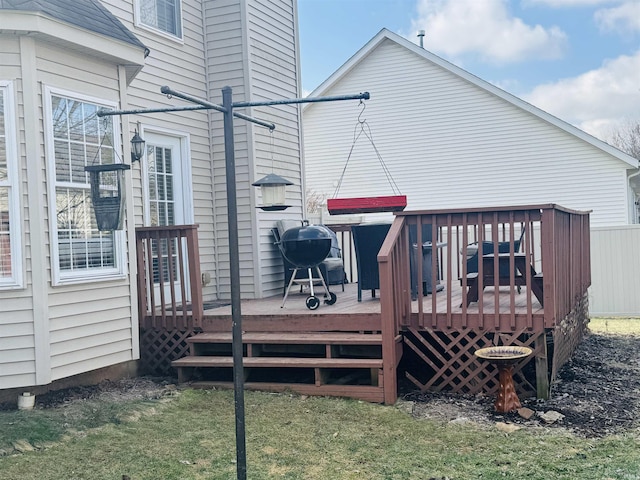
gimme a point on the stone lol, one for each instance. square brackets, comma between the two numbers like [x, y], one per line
[551, 416]
[526, 413]
[460, 421]
[23, 446]
[507, 427]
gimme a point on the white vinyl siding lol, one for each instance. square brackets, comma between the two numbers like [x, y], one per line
[162, 15]
[225, 44]
[82, 338]
[449, 143]
[95, 305]
[10, 218]
[76, 138]
[181, 66]
[274, 66]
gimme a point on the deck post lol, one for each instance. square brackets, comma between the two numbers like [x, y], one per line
[542, 366]
[387, 328]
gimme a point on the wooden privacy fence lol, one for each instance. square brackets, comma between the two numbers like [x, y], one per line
[169, 280]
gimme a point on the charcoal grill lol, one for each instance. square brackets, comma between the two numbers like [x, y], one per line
[305, 248]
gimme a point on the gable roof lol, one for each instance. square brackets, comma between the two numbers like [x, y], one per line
[385, 34]
[87, 14]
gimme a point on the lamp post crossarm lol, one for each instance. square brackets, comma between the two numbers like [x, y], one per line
[185, 96]
[103, 112]
[290, 101]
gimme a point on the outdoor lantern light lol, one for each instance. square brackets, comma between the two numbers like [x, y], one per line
[137, 147]
[107, 194]
[273, 189]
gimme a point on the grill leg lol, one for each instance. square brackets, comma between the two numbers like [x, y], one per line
[324, 284]
[286, 294]
[311, 281]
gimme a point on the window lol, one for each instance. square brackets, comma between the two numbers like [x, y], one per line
[162, 15]
[10, 236]
[78, 137]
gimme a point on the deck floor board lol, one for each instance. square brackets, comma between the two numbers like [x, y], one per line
[347, 304]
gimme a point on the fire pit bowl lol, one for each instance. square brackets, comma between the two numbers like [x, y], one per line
[504, 357]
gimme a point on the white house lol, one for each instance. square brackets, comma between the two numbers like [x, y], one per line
[450, 139]
[68, 299]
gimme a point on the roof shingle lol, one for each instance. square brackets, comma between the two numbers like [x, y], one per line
[88, 14]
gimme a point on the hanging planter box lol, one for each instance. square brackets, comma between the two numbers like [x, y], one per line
[107, 194]
[393, 203]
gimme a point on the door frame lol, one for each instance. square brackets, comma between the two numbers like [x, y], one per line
[184, 165]
[185, 171]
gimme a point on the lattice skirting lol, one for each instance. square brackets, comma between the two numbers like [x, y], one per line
[444, 360]
[158, 348]
[569, 333]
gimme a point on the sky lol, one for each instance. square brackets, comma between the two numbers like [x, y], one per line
[576, 59]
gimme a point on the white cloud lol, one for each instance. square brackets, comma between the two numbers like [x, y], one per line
[569, 3]
[486, 27]
[624, 17]
[597, 101]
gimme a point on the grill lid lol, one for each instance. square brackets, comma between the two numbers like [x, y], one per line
[306, 246]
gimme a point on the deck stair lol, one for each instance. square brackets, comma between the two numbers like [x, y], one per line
[344, 364]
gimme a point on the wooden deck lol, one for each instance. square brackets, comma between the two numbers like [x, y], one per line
[347, 314]
[434, 336]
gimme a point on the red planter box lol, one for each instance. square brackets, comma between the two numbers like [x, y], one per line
[394, 203]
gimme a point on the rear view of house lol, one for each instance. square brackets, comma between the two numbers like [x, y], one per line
[68, 292]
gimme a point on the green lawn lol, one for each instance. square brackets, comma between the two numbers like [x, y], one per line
[624, 326]
[292, 437]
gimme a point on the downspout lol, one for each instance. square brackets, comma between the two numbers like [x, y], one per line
[635, 200]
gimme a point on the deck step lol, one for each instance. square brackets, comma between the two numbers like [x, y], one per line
[300, 338]
[275, 362]
[346, 364]
[368, 393]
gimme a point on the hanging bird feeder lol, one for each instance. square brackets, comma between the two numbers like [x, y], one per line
[107, 194]
[390, 203]
[273, 188]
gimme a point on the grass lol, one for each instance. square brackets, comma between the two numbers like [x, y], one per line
[292, 437]
[619, 326]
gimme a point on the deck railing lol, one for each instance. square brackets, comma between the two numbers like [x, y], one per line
[537, 278]
[169, 280]
[544, 250]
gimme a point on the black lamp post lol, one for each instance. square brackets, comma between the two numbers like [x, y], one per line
[227, 108]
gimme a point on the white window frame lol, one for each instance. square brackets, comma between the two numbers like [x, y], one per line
[139, 22]
[15, 240]
[60, 277]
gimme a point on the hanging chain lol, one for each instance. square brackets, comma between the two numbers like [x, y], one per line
[271, 146]
[362, 127]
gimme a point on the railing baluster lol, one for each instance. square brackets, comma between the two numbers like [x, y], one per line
[158, 249]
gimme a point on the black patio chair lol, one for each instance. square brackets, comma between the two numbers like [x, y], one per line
[487, 248]
[367, 240]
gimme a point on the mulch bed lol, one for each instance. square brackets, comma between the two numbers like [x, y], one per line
[597, 392]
